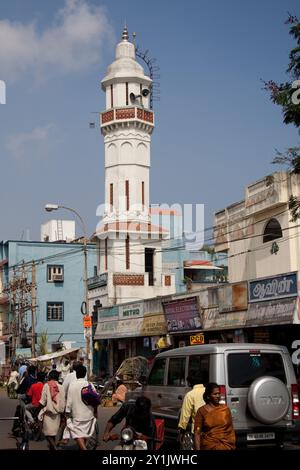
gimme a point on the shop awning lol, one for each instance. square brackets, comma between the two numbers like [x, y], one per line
[55, 355]
[147, 325]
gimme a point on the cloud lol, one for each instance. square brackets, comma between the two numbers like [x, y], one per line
[73, 42]
[29, 143]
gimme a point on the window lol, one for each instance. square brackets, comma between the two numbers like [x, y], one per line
[106, 257]
[157, 373]
[244, 368]
[127, 254]
[111, 195]
[111, 96]
[126, 93]
[127, 194]
[272, 231]
[143, 194]
[55, 273]
[176, 372]
[55, 311]
[199, 365]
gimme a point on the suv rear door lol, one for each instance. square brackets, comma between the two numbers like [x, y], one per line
[242, 369]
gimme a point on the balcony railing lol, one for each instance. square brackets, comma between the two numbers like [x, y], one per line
[97, 281]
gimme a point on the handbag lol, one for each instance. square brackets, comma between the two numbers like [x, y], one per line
[89, 396]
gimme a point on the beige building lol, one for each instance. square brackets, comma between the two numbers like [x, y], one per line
[257, 233]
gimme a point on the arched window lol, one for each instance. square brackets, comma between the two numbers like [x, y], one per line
[272, 231]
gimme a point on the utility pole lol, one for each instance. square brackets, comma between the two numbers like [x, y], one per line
[33, 307]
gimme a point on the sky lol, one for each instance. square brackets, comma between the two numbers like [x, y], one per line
[216, 128]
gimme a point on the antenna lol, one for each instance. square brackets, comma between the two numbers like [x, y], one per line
[153, 73]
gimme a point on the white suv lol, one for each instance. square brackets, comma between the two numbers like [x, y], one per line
[257, 381]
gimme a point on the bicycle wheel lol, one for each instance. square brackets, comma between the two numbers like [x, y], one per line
[187, 442]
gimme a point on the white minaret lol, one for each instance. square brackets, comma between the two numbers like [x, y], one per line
[127, 125]
[130, 258]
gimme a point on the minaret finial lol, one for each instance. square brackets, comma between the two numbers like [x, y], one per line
[125, 33]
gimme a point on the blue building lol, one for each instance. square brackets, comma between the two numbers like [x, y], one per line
[59, 270]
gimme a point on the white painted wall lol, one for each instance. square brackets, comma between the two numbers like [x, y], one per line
[249, 257]
[51, 229]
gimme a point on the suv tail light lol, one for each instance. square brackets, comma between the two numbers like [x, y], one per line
[295, 401]
[223, 395]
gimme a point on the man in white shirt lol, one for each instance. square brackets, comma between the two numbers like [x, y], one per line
[81, 420]
[71, 377]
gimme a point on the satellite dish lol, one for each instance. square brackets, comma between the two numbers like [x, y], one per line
[145, 92]
[132, 97]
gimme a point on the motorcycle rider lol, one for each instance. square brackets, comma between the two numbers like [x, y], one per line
[138, 416]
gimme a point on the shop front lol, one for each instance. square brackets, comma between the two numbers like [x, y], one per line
[131, 330]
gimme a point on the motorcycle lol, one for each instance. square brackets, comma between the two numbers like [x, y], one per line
[132, 440]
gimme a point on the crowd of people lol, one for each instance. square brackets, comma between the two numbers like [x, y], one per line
[55, 399]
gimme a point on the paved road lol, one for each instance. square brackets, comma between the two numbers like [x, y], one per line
[7, 409]
[8, 406]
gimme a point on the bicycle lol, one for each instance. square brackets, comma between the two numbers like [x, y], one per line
[20, 432]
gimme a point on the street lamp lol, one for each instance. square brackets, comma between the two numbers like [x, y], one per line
[54, 207]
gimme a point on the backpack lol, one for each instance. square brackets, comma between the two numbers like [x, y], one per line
[89, 396]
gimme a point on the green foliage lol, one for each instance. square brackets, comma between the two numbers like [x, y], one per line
[294, 207]
[42, 343]
[281, 94]
[291, 158]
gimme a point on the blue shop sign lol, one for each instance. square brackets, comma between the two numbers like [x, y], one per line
[276, 287]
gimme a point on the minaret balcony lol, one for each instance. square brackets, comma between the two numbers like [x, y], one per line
[129, 114]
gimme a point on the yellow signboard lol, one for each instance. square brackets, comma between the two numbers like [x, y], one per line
[197, 339]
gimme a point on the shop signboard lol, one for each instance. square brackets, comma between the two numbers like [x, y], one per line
[87, 321]
[272, 312]
[108, 314]
[275, 287]
[129, 328]
[182, 315]
[233, 297]
[153, 325]
[213, 320]
[134, 310]
[106, 329]
[197, 339]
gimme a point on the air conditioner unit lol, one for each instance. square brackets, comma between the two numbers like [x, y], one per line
[57, 277]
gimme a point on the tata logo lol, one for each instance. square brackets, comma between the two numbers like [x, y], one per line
[271, 400]
[2, 92]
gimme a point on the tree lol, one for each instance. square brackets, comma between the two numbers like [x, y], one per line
[287, 95]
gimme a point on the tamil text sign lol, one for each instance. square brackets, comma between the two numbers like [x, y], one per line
[273, 312]
[276, 287]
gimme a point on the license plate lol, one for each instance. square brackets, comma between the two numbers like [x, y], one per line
[261, 436]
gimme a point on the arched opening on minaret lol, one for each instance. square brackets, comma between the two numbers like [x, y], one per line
[149, 264]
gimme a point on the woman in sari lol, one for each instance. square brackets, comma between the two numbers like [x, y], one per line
[213, 423]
